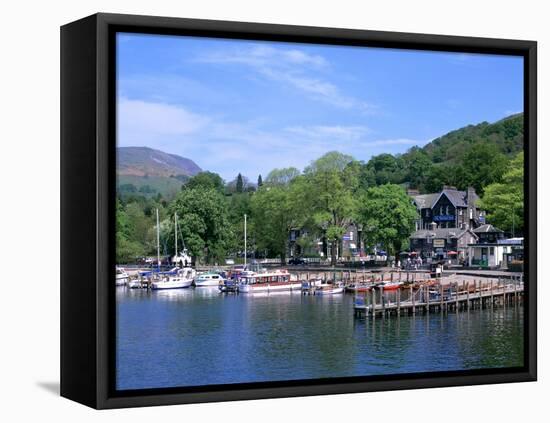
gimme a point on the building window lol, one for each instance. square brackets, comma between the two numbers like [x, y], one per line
[447, 210]
[440, 210]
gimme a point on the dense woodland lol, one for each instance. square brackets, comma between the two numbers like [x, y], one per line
[325, 197]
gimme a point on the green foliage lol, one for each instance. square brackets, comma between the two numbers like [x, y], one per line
[481, 165]
[331, 197]
[504, 201]
[282, 177]
[276, 210]
[239, 187]
[127, 248]
[387, 215]
[506, 135]
[204, 222]
[386, 169]
[206, 180]
[129, 185]
[417, 168]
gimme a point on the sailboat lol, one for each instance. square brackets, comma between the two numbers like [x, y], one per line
[177, 277]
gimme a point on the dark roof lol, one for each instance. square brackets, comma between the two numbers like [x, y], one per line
[440, 233]
[458, 198]
[425, 201]
[487, 229]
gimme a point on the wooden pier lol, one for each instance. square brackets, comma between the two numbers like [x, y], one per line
[456, 296]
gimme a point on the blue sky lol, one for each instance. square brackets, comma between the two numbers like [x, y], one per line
[250, 106]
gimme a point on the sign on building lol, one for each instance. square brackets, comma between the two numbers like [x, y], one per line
[439, 243]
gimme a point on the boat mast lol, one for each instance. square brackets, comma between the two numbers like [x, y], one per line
[245, 240]
[176, 234]
[158, 239]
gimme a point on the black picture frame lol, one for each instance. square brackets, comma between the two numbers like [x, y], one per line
[88, 194]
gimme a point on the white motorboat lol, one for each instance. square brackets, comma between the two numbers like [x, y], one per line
[136, 284]
[121, 276]
[209, 279]
[329, 289]
[175, 279]
[276, 280]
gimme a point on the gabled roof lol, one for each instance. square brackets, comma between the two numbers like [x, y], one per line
[441, 233]
[488, 229]
[457, 198]
[425, 201]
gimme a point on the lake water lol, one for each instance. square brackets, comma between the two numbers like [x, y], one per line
[193, 337]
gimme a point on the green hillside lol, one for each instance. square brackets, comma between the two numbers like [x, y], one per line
[149, 186]
[475, 155]
[506, 135]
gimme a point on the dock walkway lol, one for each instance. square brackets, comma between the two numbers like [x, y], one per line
[438, 299]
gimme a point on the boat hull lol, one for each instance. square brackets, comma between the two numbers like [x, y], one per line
[208, 283]
[250, 288]
[171, 284]
[332, 291]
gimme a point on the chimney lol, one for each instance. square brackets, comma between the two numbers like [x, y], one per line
[412, 192]
[450, 187]
[471, 195]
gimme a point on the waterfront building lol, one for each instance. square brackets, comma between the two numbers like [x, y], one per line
[488, 234]
[506, 254]
[449, 208]
[302, 242]
[442, 243]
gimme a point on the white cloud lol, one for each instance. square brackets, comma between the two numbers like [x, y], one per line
[293, 68]
[250, 147]
[345, 133]
[142, 123]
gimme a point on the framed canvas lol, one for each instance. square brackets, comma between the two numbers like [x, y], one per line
[257, 211]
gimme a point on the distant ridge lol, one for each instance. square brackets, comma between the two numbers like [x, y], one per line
[506, 134]
[145, 161]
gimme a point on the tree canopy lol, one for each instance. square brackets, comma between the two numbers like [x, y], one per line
[387, 215]
[504, 201]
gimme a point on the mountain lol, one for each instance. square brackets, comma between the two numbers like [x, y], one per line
[148, 172]
[145, 161]
[506, 134]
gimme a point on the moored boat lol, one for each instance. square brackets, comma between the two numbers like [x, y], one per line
[136, 284]
[182, 278]
[390, 286]
[121, 276]
[329, 289]
[359, 288]
[209, 279]
[268, 281]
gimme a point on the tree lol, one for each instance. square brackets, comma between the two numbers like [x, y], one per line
[504, 201]
[276, 210]
[417, 167]
[386, 169]
[388, 216]
[260, 182]
[240, 184]
[439, 175]
[331, 195]
[482, 164]
[127, 249]
[207, 180]
[204, 222]
[282, 177]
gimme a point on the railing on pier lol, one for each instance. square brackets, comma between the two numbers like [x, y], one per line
[439, 297]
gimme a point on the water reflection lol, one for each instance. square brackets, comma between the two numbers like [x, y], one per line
[189, 337]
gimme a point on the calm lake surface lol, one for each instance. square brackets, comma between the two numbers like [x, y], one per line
[192, 337]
